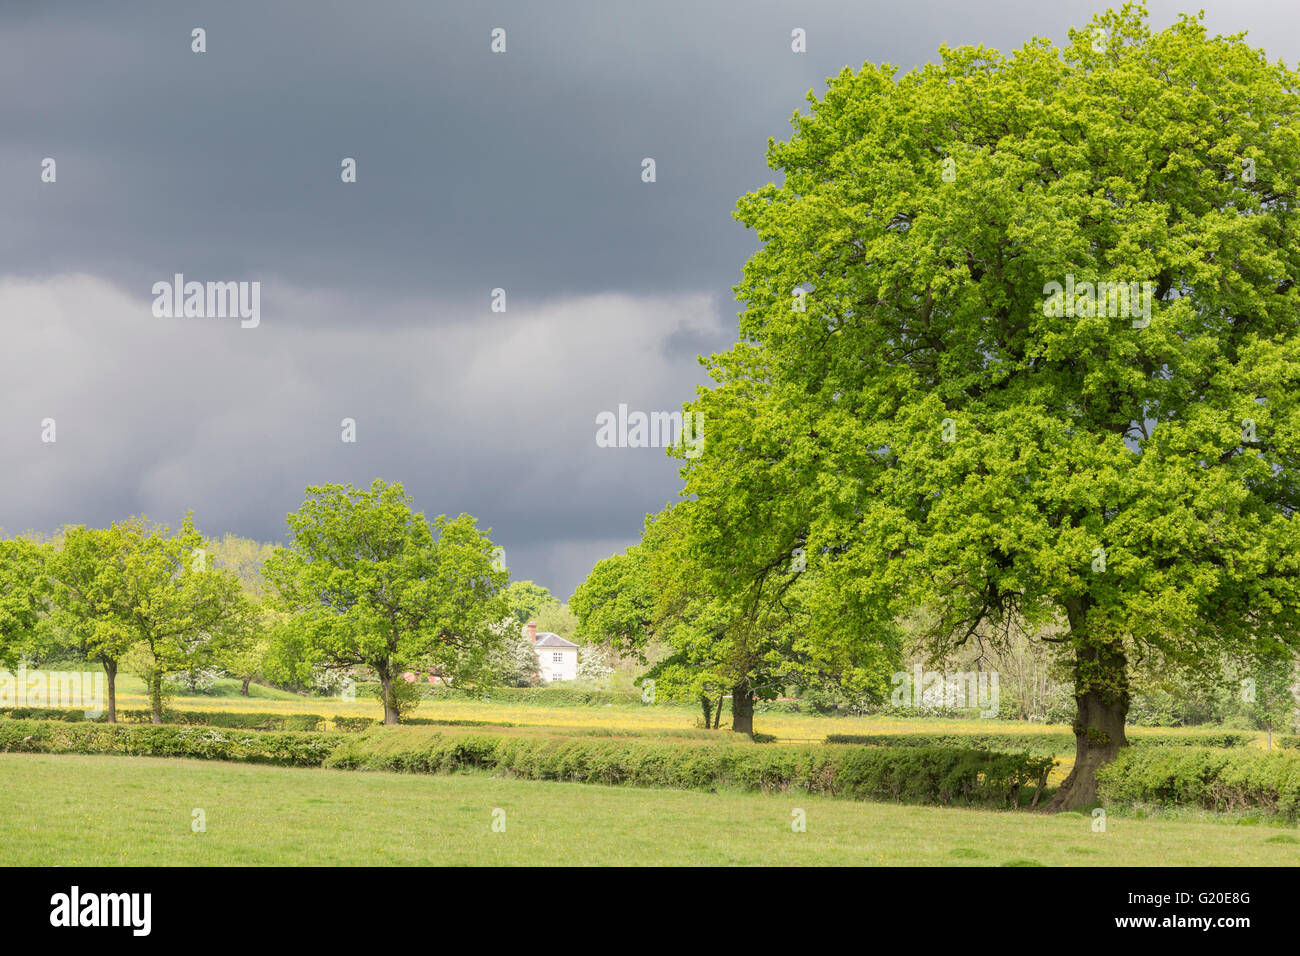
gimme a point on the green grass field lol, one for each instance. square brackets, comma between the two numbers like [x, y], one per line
[85, 811]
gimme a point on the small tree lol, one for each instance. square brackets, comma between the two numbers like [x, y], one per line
[371, 583]
[90, 611]
[184, 612]
[745, 629]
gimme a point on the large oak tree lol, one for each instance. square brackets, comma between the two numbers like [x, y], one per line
[907, 406]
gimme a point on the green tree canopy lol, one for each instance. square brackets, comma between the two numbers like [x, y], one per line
[88, 610]
[138, 587]
[23, 596]
[910, 405]
[371, 583]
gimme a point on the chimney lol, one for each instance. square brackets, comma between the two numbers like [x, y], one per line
[532, 631]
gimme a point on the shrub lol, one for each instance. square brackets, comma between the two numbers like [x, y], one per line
[194, 718]
[941, 775]
[363, 723]
[547, 695]
[919, 775]
[206, 743]
[353, 723]
[1048, 743]
[1208, 778]
[1039, 743]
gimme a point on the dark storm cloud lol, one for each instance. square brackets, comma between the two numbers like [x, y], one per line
[476, 171]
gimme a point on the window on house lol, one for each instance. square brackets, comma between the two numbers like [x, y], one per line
[557, 657]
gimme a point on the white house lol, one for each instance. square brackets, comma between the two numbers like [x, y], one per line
[557, 659]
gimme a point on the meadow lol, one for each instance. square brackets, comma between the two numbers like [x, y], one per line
[106, 809]
[87, 811]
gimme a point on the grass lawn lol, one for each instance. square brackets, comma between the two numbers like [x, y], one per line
[86, 810]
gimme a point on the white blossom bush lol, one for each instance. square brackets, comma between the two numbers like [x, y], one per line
[199, 680]
[593, 663]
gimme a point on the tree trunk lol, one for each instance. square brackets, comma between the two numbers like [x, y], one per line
[1102, 699]
[742, 708]
[155, 696]
[717, 714]
[707, 705]
[386, 683]
[244, 690]
[110, 672]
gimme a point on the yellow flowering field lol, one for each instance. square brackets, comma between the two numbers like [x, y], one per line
[650, 719]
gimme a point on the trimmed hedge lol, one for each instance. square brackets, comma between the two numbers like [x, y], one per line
[912, 775]
[1032, 743]
[1222, 739]
[287, 748]
[551, 695]
[1045, 743]
[364, 723]
[1208, 778]
[353, 723]
[193, 718]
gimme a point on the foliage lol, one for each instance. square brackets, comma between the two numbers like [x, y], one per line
[751, 644]
[23, 595]
[930, 432]
[513, 661]
[547, 695]
[183, 612]
[209, 743]
[138, 589]
[525, 600]
[404, 697]
[198, 680]
[370, 582]
[1040, 743]
[924, 775]
[593, 663]
[246, 720]
[1212, 779]
[244, 558]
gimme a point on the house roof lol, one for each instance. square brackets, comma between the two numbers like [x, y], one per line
[547, 639]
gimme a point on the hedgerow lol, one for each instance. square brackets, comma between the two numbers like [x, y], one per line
[553, 695]
[195, 718]
[911, 775]
[362, 723]
[1044, 743]
[1210, 779]
[287, 748]
[1041, 743]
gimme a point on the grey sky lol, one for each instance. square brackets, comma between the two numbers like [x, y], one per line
[475, 171]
